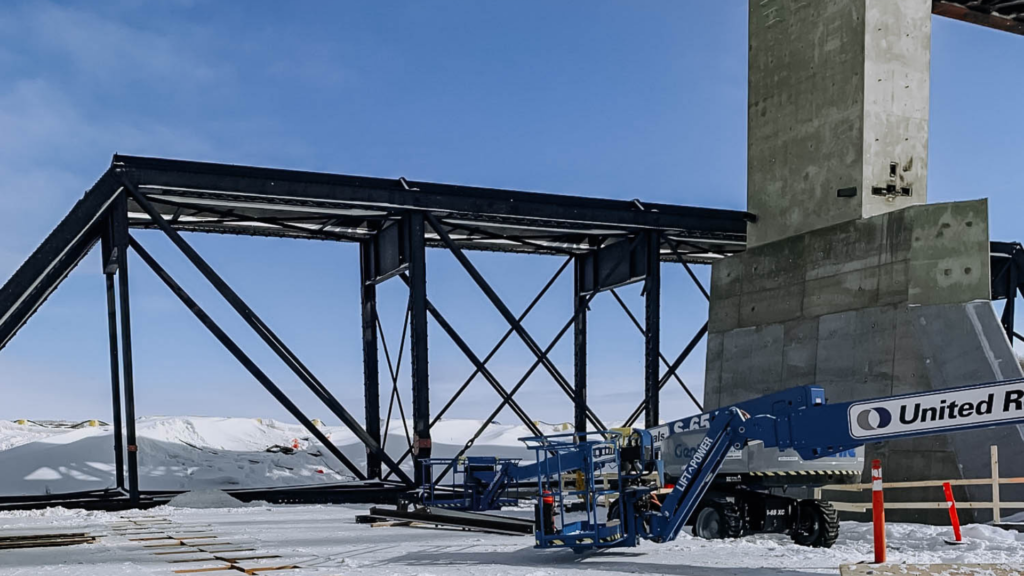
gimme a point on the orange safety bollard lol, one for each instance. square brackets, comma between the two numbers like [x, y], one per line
[878, 511]
[948, 489]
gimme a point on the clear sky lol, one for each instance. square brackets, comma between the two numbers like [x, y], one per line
[611, 99]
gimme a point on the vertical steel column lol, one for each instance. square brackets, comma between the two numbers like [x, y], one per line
[120, 216]
[1010, 310]
[109, 269]
[652, 330]
[371, 374]
[418, 342]
[580, 303]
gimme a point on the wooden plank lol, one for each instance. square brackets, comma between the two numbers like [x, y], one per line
[243, 558]
[10, 537]
[211, 568]
[216, 546]
[229, 550]
[47, 543]
[172, 552]
[994, 461]
[391, 524]
[197, 557]
[930, 570]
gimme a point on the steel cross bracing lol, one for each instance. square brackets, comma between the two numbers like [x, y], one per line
[608, 243]
[1007, 268]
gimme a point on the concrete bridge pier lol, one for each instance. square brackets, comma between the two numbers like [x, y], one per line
[851, 280]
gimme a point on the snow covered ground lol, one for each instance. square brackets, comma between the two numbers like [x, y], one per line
[204, 453]
[190, 453]
[326, 540]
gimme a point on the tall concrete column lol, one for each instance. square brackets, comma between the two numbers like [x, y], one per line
[837, 111]
[850, 280]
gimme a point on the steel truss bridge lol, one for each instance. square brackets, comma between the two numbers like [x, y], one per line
[607, 244]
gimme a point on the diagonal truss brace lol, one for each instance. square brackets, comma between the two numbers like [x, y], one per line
[496, 300]
[477, 363]
[554, 341]
[266, 334]
[239, 355]
[494, 350]
[671, 370]
[673, 373]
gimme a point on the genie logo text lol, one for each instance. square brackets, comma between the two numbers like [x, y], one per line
[973, 407]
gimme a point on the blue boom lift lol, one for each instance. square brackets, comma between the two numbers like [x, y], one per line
[799, 419]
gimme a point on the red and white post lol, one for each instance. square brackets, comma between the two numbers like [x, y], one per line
[953, 518]
[878, 510]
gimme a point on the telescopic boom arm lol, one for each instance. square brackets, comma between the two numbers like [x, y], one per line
[802, 420]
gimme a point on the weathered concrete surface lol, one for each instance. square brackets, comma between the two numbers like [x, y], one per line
[893, 304]
[838, 98]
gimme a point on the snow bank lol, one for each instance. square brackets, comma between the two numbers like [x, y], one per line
[328, 541]
[13, 435]
[202, 453]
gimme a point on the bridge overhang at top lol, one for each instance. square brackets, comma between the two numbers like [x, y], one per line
[1006, 15]
[221, 198]
[244, 200]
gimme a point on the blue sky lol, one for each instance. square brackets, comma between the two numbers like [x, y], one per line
[608, 99]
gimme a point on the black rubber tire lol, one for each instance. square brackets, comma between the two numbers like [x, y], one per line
[613, 511]
[818, 526]
[716, 522]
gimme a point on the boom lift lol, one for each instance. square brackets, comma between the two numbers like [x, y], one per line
[799, 419]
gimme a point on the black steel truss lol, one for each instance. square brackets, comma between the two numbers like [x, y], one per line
[609, 243]
[1006, 15]
[1007, 271]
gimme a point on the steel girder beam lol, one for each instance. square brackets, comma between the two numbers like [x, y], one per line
[371, 372]
[580, 303]
[119, 217]
[652, 330]
[422, 446]
[369, 193]
[266, 334]
[1009, 316]
[109, 267]
[232, 217]
[1005, 15]
[61, 251]
[497, 302]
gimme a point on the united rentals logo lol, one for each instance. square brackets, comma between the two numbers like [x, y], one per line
[874, 419]
[971, 407]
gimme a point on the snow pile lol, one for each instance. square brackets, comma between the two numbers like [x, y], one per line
[197, 453]
[206, 499]
[13, 435]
